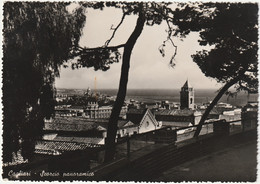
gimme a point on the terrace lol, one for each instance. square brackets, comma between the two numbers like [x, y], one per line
[144, 157]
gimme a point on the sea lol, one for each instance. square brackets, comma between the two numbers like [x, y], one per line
[171, 95]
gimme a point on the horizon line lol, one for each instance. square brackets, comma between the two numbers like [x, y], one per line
[135, 88]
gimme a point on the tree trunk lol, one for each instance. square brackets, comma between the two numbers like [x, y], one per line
[213, 103]
[112, 124]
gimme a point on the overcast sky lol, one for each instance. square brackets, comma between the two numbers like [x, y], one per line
[148, 68]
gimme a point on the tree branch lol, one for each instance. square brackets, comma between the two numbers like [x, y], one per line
[248, 43]
[161, 48]
[100, 48]
[251, 69]
[169, 38]
[115, 29]
[82, 50]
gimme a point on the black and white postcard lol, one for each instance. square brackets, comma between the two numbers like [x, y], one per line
[143, 91]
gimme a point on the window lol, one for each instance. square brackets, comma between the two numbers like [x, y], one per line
[191, 100]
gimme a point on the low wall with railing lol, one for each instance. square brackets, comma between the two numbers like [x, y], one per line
[144, 164]
[143, 156]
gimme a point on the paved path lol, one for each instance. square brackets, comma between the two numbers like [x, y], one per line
[237, 163]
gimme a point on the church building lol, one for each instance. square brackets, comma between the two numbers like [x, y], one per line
[186, 115]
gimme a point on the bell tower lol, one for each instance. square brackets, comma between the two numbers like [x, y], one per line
[187, 96]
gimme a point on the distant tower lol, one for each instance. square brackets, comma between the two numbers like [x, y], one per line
[187, 96]
[88, 91]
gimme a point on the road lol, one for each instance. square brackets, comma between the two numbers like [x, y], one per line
[237, 164]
